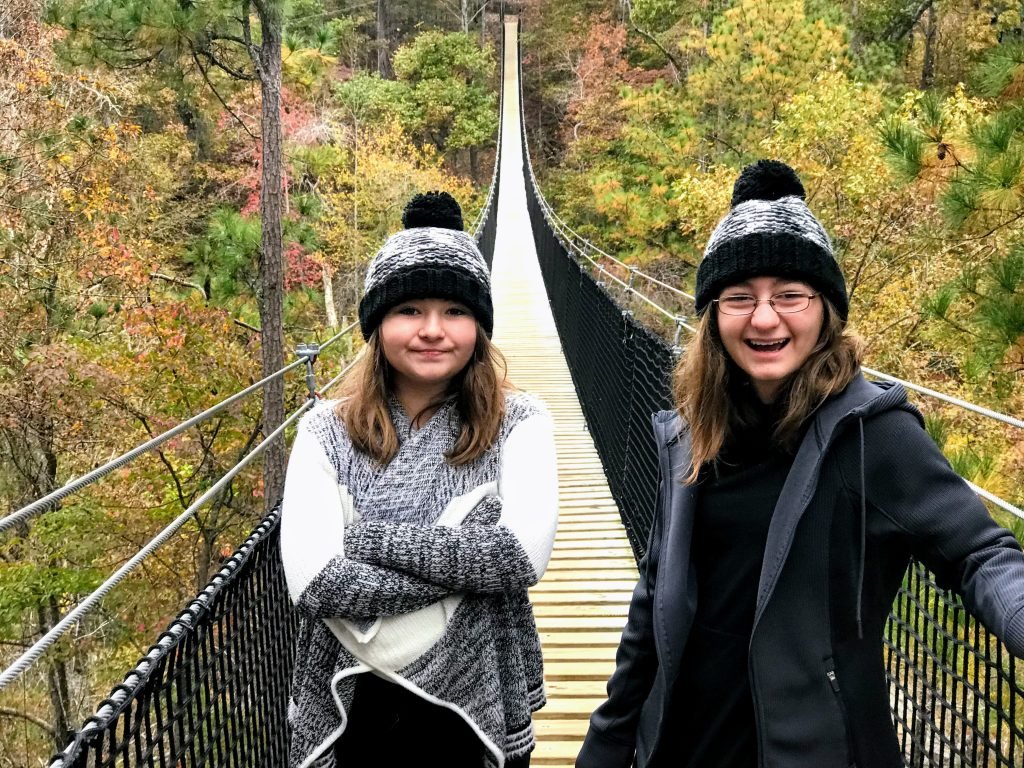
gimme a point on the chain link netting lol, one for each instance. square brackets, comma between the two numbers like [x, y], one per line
[957, 694]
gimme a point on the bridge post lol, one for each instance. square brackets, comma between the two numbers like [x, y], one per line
[677, 350]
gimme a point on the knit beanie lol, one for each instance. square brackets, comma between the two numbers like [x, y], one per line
[770, 231]
[432, 258]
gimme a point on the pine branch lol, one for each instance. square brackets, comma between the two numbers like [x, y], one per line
[220, 98]
[676, 67]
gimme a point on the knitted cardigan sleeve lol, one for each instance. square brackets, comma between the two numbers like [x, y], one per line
[478, 557]
[322, 581]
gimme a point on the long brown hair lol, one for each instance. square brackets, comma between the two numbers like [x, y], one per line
[706, 379]
[479, 391]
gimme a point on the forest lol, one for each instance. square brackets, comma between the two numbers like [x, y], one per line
[905, 120]
[189, 189]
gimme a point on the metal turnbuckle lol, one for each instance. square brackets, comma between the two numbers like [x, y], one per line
[310, 351]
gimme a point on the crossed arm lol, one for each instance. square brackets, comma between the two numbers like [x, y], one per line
[336, 567]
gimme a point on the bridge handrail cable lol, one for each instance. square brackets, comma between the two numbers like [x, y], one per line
[580, 245]
[32, 654]
[573, 239]
[72, 486]
[483, 231]
[571, 234]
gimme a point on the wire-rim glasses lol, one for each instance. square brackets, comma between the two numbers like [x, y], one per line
[785, 303]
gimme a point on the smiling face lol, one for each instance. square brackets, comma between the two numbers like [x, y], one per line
[427, 342]
[768, 346]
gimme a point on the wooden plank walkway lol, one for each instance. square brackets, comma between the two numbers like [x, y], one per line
[581, 602]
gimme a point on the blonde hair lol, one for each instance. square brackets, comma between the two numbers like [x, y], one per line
[479, 391]
[705, 386]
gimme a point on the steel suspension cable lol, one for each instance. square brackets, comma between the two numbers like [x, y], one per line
[344, 370]
[52, 499]
[30, 656]
[1013, 422]
[572, 234]
[560, 227]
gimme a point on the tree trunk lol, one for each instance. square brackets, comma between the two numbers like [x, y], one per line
[856, 44]
[930, 38]
[904, 25]
[474, 165]
[56, 677]
[329, 308]
[271, 266]
[383, 45]
[49, 614]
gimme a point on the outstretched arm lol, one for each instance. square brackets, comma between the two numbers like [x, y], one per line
[910, 483]
[511, 554]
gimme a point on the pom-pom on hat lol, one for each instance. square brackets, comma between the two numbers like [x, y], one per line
[432, 258]
[433, 209]
[769, 230]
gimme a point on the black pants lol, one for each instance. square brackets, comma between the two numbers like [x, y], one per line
[391, 727]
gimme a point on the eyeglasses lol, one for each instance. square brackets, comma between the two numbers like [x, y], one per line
[785, 303]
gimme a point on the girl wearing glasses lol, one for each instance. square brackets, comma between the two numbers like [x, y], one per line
[793, 494]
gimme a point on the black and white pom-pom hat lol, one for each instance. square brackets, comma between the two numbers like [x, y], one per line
[432, 258]
[770, 231]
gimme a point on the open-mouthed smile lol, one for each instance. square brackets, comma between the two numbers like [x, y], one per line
[766, 346]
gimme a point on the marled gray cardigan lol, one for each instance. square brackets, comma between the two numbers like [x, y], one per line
[361, 542]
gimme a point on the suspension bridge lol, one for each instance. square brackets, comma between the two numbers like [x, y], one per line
[213, 688]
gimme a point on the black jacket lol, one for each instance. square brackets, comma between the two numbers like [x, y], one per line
[865, 471]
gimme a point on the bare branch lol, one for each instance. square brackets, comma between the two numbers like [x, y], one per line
[231, 39]
[252, 328]
[36, 721]
[179, 281]
[235, 73]
[676, 68]
[901, 27]
[220, 98]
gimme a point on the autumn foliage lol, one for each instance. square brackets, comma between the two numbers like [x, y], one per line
[130, 249]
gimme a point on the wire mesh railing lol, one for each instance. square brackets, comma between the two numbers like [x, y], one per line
[213, 689]
[957, 694]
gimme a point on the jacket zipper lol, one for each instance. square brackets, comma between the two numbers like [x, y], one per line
[833, 681]
[758, 726]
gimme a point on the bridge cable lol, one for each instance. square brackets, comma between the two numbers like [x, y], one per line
[30, 656]
[51, 500]
[559, 226]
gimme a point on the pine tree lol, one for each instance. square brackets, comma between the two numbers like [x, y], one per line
[239, 39]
